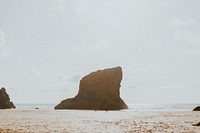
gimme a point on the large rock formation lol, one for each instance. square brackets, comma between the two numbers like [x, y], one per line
[5, 102]
[98, 91]
[197, 108]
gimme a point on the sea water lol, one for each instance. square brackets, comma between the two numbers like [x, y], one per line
[158, 107]
[167, 107]
[35, 106]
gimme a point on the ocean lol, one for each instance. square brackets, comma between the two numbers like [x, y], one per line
[35, 106]
[165, 107]
[158, 107]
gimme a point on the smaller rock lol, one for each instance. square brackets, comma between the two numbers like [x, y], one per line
[197, 108]
[198, 124]
[5, 102]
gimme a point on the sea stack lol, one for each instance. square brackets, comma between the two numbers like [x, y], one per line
[98, 90]
[197, 108]
[5, 102]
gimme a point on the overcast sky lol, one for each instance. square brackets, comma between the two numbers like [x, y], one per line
[47, 46]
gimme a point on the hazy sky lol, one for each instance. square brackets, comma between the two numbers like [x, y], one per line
[46, 46]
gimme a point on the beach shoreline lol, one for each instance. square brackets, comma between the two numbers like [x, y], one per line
[64, 121]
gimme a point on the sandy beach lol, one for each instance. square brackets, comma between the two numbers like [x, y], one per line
[76, 121]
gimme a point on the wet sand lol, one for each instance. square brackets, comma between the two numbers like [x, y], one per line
[76, 121]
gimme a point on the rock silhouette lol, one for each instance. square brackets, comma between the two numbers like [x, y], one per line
[99, 90]
[5, 102]
[197, 108]
[198, 124]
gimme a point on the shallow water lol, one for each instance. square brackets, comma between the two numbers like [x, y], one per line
[159, 107]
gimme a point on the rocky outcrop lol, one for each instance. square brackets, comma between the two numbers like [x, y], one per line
[198, 124]
[5, 102]
[197, 108]
[99, 90]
